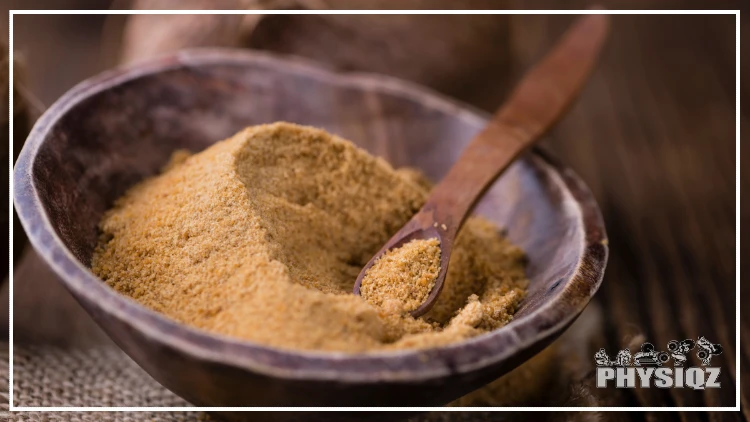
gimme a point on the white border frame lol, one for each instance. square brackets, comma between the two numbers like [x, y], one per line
[736, 14]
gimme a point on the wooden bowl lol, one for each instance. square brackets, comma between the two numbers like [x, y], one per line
[113, 130]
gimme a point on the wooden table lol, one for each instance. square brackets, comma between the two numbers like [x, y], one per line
[654, 137]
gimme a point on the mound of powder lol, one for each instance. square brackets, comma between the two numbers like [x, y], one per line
[261, 237]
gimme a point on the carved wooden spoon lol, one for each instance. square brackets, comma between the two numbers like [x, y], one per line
[538, 101]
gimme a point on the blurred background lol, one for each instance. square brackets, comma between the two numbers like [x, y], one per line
[653, 136]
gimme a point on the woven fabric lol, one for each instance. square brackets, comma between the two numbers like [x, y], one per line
[100, 376]
[95, 377]
[102, 416]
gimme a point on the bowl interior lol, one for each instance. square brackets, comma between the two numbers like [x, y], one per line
[113, 138]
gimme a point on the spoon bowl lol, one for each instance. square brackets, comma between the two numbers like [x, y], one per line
[421, 233]
[113, 130]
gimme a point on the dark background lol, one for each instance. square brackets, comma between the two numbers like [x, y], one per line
[653, 136]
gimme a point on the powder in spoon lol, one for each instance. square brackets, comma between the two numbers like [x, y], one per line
[402, 278]
[262, 236]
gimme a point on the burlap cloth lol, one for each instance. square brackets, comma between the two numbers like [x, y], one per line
[99, 376]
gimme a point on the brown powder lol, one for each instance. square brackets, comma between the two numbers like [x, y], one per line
[402, 278]
[262, 236]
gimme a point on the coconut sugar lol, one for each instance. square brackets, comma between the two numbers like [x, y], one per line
[262, 236]
[402, 278]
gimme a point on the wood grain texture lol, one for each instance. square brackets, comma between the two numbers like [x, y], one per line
[653, 135]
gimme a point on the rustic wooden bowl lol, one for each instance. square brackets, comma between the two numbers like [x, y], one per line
[113, 130]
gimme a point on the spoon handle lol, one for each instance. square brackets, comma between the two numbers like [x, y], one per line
[537, 102]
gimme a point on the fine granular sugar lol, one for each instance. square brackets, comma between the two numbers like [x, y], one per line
[262, 236]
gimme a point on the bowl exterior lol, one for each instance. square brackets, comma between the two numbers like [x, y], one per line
[115, 129]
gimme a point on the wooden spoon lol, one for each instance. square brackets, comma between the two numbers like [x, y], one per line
[538, 101]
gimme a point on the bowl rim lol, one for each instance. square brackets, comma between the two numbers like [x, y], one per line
[410, 365]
